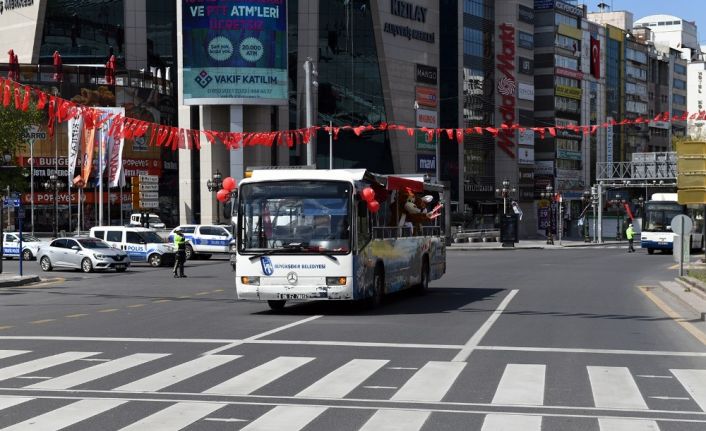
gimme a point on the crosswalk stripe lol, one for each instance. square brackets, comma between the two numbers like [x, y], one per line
[41, 364]
[176, 374]
[254, 379]
[505, 422]
[621, 424]
[341, 381]
[431, 382]
[521, 384]
[396, 420]
[7, 402]
[614, 387]
[66, 416]
[694, 381]
[10, 353]
[96, 372]
[285, 418]
[175, 417]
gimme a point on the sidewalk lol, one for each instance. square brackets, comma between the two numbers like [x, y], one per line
[14, 280]
[538, 244]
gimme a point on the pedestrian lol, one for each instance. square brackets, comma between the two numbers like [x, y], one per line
[630, 235]
[180, 245]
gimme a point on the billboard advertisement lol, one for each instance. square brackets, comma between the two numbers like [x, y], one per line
[235, 52]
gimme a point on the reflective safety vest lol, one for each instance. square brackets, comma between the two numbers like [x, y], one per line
[180, 242]
[630, 232]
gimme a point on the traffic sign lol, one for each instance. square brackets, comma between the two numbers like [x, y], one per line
[149, 196]
[682, 225]
[152, 179]
[149, 204]
[11, 202]
[149, 187]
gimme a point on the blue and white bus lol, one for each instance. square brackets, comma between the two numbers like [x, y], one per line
[656, 223]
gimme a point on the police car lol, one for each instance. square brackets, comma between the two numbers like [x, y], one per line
[11, 245]
[141, 244]
[203, 240]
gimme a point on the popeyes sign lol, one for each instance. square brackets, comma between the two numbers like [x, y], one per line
[507, 87]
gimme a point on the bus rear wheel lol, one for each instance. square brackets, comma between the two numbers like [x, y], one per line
[650, 251]
[277, 305]
[423, 286]
[378, 288]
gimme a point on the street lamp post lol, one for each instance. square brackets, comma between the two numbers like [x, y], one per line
[548, 193]
[586, 202]
[594, 204]
[213, 186]
[54, 184]
[505, 193]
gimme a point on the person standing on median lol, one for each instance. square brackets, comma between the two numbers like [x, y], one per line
[180, 245]
[630, 235]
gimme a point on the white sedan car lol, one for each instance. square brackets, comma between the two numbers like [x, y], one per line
[84, 253]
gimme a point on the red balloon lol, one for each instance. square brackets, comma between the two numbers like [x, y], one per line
[223, 195]
[373, 206]
[368, 194]
[229, 184]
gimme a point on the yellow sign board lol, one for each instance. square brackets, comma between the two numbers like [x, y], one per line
[572, 32]
[692, 196]
[570, 92]
[691, 148]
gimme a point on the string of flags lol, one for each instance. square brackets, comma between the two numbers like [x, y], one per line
[59, 110]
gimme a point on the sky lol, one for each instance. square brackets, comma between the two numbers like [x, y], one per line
[690, 10]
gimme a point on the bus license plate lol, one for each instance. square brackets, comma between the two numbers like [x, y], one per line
[293, 296]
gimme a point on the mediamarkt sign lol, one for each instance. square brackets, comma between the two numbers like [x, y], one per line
[507, 87]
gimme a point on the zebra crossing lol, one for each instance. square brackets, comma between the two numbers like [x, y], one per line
[421, 394]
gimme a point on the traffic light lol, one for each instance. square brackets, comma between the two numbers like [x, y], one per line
[691, 172]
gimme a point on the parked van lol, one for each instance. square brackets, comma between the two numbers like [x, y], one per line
[141, 244]
[154, 221]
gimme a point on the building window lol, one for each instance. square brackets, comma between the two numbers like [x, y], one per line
[566, 105]
[679, 84]
[636, 72]
[635, 89]
[680, 69]
[567, 82]
[472, 42]
[478, 8]
[566, 62]
[565, 19]
[525, 40]
[679, 99]
[568, 43]
[635, 55]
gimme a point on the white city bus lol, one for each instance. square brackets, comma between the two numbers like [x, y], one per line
[306, 235]
[656, 223]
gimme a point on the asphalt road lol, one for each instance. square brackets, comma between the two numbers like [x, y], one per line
[508, 340]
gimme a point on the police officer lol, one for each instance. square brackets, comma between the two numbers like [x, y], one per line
[180, 245]
[630, 235]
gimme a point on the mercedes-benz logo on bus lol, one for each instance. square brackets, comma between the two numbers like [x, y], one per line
[292, 278]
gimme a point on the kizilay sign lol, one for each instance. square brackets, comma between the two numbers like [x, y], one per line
[411, 12]
[234, 50]
[507, 86]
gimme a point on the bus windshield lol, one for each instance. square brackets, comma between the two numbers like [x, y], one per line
[295, 217]
[658, 216]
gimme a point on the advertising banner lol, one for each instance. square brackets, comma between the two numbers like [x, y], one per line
[75, 129]
[427, 118]
[427, 96]
[114, 152]
[426, 163]
[87, 149]
[235, 51]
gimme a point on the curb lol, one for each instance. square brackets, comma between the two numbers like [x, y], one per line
[493, 248]
[20, 281]
[697, 286]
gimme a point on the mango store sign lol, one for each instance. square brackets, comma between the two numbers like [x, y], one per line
[507, 86]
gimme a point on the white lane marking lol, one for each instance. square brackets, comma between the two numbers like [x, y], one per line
[225, 420]
[261, 335]
[396, 420]
[592, 351]
[35, 377]
[475, 340]
[7, 402]
[177, 373]
[671, 398]
[285, 418]
[402, 368]
[509, 422]
[10, 353]
[94, 360]
[41, 364]
[341, 381]
[380, 387]
[614, 387]
[694, 381]
[357, 344]
[97, 371]
[254, 379]
[620, 424]
[175, 417]
[654, 377]
[431, 382]
[521, 384]
[66, 416]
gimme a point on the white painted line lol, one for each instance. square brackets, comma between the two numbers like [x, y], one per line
[592, 351]
[620, 424]
[261, 335]
[475, 340]
[285, 418]
[225, 420]
[94, 360]
[510, 422]
[396, 420]
[431, 382]
[654, 377]
[358, 344]
[694, 381]
[176, 374]
[66, 416]
[121, 340]
[175, 417]
[521, 384]
[380, 387]
[254, 379]
[614, 387]
[7, 402]
[41, 364]
[35, 377]
[341, 381]
[671, 398]
[97, 371]
[402, 368]
[10, 353]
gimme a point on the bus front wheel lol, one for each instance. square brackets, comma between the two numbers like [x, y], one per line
[378, 288]
[276, 305]
[650, 251]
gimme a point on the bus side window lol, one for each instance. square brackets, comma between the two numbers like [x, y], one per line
[362, 225]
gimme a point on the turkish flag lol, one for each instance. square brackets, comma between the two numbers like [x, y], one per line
[595, 58]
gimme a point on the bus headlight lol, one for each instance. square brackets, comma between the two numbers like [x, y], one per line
[251, 281]
[335, 281]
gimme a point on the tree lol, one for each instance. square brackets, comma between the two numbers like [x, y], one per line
[13, 127]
